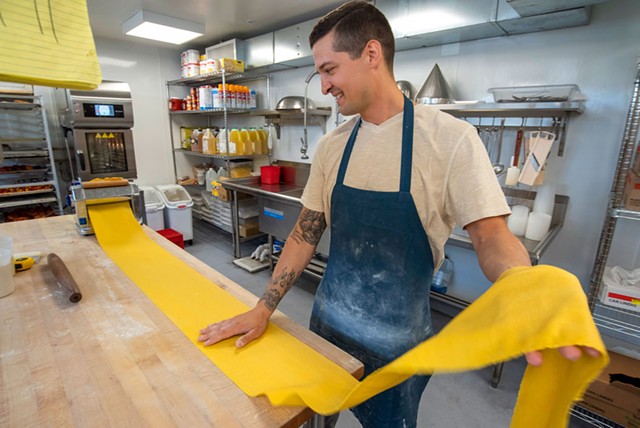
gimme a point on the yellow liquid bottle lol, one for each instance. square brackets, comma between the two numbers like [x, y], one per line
[263, 141]
[247, 147]
[235, 144]
[254, 139]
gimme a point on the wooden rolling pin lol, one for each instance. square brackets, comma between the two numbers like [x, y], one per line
[63, 277]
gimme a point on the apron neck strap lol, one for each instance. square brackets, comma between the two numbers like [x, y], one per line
[407, 148]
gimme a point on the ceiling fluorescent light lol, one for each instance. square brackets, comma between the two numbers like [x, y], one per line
[163, 28]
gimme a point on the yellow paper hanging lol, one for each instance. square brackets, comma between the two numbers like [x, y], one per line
[539, 308]
[48, 43]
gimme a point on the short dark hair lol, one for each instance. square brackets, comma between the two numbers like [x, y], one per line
[355, 24]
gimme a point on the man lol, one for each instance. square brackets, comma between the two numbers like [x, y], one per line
[391, 182]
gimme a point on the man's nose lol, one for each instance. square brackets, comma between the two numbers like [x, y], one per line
[326, 85]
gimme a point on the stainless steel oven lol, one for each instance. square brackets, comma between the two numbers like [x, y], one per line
[101, 121]
[104, 152]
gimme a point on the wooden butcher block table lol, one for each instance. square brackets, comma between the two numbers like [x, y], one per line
[114, 359]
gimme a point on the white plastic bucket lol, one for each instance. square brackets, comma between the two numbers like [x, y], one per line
[177, 212]
[154, 207]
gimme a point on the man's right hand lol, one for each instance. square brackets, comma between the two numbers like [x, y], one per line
[250, 325]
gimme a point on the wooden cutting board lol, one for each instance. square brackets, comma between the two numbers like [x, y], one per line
[114, 359]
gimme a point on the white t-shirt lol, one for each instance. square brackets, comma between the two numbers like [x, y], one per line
[452, 180]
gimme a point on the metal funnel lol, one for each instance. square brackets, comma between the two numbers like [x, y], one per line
[435, 89]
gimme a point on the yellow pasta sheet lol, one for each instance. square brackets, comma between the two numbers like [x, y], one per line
[48, 43]
[539, 308]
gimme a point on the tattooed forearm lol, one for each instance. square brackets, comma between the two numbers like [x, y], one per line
[310, 226]
[271, 298]
[284, 281]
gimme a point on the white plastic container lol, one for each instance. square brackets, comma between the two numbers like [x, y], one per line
[517, 221]
[177, 213]
[154, 207]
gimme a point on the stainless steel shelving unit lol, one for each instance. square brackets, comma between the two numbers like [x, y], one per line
[220, 116]
[213, 79]
[28, 177]
[619, 323]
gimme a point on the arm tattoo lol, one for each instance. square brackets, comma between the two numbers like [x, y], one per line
[311, 225]
[284, 281]
[271, 298]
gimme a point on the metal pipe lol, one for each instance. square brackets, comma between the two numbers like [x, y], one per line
[305, 143]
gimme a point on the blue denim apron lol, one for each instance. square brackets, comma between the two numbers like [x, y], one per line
[373, 301]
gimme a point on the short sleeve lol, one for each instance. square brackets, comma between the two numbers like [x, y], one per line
[312, 196]
[473, 191]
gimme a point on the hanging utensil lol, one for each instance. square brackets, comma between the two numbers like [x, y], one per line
[516, 152]
[498, 167]
[513, 172]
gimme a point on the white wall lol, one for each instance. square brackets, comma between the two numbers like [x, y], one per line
[600, 58]
[146, 69]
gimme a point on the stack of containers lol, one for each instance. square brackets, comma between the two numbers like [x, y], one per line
[190, 61]
[154, 207]
[177, 214]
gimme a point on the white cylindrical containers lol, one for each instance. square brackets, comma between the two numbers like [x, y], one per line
[154, 207]
[6, 266]
[200, 177]
[216, 97]
[517, 221]
[537, 226]
[205, 97]
[212, 65]
[190, 62]
[177, 214]
[190, 56]
[253, 100]
[545, 199]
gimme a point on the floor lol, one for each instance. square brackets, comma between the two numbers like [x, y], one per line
[453, 400]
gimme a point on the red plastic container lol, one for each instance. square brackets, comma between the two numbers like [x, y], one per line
[270, 174]
[173, 236]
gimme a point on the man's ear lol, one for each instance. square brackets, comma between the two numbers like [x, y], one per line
[373, 52]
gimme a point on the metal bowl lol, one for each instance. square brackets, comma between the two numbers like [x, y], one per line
[406, 88]
[294, 102]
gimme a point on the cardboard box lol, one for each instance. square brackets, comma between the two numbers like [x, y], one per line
[621, 297]
[631, 195]
[232, 65]
[613, 394]
[617, 290]
[249, 229]
[611, 413]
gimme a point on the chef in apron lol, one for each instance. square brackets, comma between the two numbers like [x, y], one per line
[373, 300]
